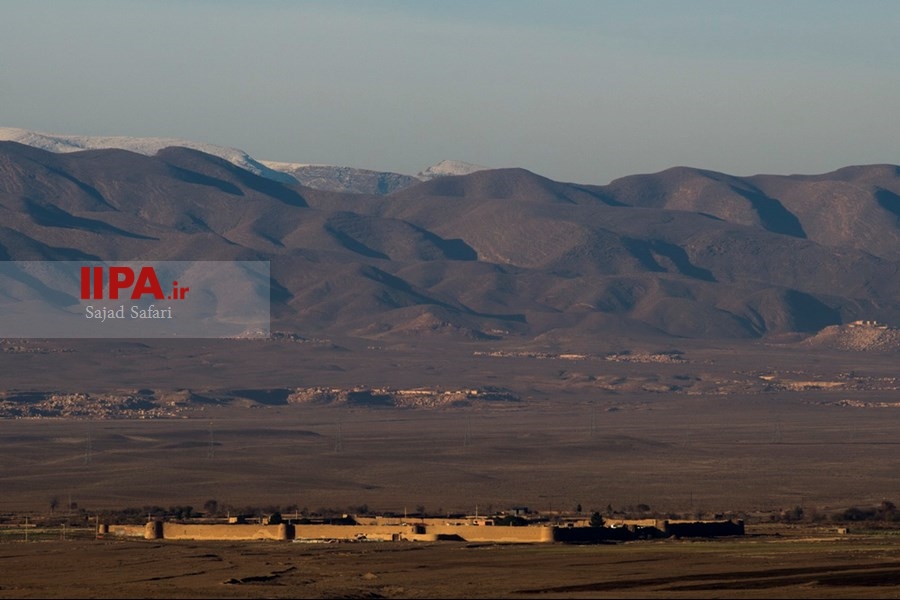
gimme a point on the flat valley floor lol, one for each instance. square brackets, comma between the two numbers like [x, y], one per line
[745, 430]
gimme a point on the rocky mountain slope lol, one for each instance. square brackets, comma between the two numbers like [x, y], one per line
[495, 253]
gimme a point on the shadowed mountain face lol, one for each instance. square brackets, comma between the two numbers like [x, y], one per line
[498, 253]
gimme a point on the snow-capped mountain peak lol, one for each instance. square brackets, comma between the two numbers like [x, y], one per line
[317, 176]
[344, 179]
[449, 167]
[142, 145]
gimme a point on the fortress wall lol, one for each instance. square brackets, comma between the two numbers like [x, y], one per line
[589, 535]
[429, 521]
[705, 528]
[471, 533]
[351, 532]
[124, 530]
[181, 531]
[394, 521]
[153, 530]
[632, 522]
[426, 533]
[156, 530]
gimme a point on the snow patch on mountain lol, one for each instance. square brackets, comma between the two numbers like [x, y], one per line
[147, 146]
[447, 168]
[344, 179]
[317, 176]
[365, 181]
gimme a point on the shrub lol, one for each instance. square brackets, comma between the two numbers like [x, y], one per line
[854, 513]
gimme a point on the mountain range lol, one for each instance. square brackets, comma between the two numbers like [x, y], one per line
[321, 177]
[491, 254]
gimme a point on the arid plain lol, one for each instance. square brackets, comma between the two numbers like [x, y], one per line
[742, 429]
[737, 427]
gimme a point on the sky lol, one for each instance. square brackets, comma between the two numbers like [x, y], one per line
[582, 91]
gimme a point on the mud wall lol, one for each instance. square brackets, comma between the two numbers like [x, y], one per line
[155, 530]
[473, 533]
[182, 531]
[351, 532]
[705, 528]
[122, 530]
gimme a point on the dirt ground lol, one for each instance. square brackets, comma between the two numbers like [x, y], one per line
[812, 565]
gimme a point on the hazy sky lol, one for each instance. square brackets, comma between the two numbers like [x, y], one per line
[576, 91]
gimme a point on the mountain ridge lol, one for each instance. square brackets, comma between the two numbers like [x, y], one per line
[317, 176]
[502, 250]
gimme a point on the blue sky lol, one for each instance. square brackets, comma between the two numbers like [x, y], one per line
[575, 91]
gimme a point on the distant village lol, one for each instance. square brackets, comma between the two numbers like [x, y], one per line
[147, 404]
[669, 356]
[860, 335]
